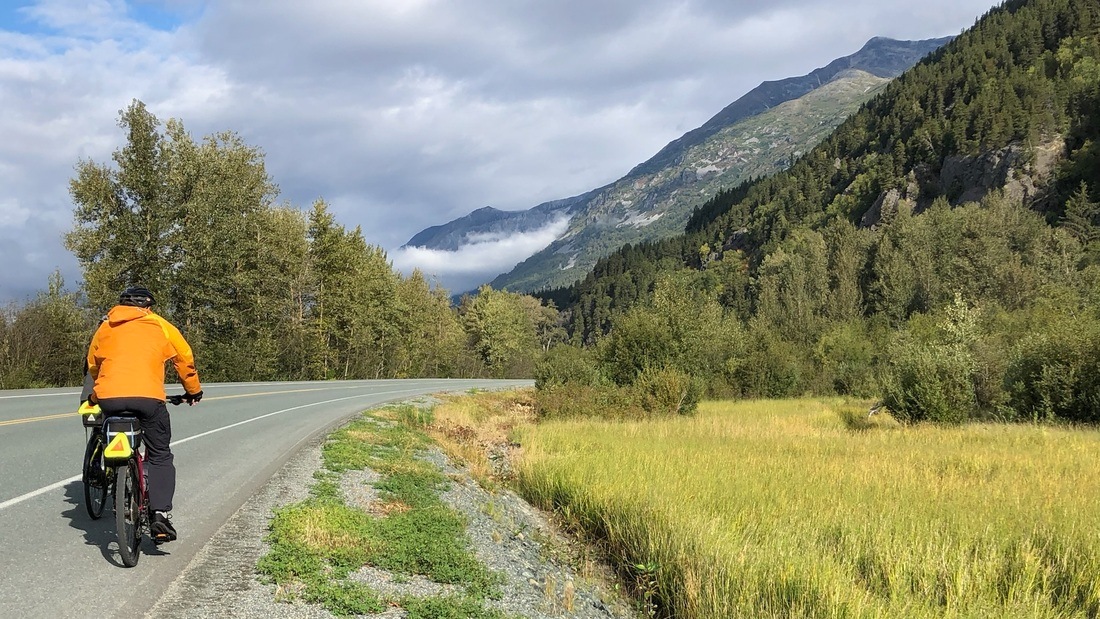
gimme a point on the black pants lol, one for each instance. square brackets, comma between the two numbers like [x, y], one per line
[157, 427]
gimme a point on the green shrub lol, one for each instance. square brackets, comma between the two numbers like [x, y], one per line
[769, 368]
[571, 401]
[846, 354]
[668, 391]
[928, 382]
[639, 340]
[567, 365]
[1055, 374]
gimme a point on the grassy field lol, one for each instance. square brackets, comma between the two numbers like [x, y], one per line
[807, 508]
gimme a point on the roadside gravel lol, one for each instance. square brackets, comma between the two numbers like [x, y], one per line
[546, 574]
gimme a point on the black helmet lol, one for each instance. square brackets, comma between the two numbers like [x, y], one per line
[136, 296]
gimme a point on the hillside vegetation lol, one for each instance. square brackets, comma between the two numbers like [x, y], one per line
[939, 250]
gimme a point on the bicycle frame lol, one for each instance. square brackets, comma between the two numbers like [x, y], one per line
[131, 516]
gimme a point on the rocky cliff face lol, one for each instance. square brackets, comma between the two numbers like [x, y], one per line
[759, 134]
[1024, 175]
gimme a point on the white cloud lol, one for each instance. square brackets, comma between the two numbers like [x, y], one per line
[12, 214]
[486, 256]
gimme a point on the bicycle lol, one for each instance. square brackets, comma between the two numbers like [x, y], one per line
[115, 460]
[96, 477]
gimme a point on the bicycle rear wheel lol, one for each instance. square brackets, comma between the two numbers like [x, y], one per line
[95, 476]
[128, 514]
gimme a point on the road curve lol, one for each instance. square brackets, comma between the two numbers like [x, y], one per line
[55, 561]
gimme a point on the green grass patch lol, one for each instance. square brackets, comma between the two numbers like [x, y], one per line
[411, 416]
[431, 541]
[317, 543]
[344, 598]
[372, 442]
[448, 608]
[812, 508]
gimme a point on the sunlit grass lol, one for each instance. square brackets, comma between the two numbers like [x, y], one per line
[468, 427]
[809, 508]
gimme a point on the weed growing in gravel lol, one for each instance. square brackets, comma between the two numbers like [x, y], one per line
[448, 608]
[317, 543]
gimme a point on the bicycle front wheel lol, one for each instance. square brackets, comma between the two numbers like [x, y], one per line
[128, 514]
[95, 476]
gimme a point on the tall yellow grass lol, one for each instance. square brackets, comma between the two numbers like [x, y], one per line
[784, 509]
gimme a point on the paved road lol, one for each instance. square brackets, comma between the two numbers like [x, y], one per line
[57, 562]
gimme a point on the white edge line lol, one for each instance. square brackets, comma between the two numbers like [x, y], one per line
[59, 484]
[34, 493]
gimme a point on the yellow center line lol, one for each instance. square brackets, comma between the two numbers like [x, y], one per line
[12, 422]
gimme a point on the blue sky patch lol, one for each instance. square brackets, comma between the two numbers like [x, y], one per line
[164, 15]
[14, 19]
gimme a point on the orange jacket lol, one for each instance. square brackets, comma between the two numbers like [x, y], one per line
[127, 354]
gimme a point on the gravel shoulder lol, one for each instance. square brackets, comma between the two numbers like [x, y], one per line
[546, 574]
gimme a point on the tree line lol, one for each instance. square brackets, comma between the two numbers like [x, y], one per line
[262, 290]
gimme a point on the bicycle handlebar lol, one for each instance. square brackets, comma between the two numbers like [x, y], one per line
[175, 400]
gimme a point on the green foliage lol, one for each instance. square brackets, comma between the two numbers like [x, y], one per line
[575, 401]
[668, 391]
[568, 365]
[261, 291]
[805, 285]
[651, 364]
[448, 608]
[44, 343]
[430, 340]
[345, 599]
[793, 287]
[846, 358]
[638, 341]
[1055, 373]
[928, 382]
[768, 366]
[929, 376]
[507, 331]
[1082, 220]
[430, 540]
[681, 327]
[346, 450]
[412, 416]
[355, 312]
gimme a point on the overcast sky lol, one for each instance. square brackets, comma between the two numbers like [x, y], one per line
[401, 114]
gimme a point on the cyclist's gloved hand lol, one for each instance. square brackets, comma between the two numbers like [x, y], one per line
[192, 398]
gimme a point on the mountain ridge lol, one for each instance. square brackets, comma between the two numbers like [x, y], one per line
[624, 203]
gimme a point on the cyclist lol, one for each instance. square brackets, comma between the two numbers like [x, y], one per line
[126, 368]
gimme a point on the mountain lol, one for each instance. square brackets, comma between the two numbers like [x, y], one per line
[1008, 113]
[757, 135]
[881, 57]
[657, 205]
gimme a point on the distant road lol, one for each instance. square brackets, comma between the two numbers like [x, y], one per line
[55, 561]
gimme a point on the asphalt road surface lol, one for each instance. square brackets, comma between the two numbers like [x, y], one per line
[55, 561]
